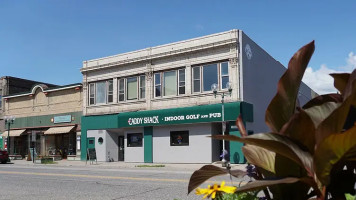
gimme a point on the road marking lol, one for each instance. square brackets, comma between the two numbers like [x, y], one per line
[104, 177]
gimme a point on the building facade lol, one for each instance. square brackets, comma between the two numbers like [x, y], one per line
[47, 119]
[158, 105]
[12, 85]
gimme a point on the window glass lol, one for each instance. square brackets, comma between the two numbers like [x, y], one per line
[122, 90]
[179, 138]
[100, 92]
[196, 79]
[210, 76]
[91, 94]
[170, 83]
[142, 87]
[100, 140]
[224, 74]
[131, 88]
[157, 84]
[110, 91]
[134, 140]
[181, 81]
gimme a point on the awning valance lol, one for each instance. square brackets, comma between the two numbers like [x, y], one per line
[14, 133]
[58, 130]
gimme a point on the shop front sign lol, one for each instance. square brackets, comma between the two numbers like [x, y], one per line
[62, 119]
[186, 115]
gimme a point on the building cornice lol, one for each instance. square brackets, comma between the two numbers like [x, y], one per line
[172, 49]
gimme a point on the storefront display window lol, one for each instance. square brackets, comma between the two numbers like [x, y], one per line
[179, 138]
[134, 140]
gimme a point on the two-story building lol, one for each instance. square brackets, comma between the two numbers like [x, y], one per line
[47, 119]
[11, 85]
[157, 104]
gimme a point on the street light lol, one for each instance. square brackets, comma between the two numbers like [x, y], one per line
[214, 88]
[9, 120]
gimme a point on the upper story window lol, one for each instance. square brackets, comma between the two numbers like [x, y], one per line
[169, 83]
[101, 92]
[132, 88]
[206, 75]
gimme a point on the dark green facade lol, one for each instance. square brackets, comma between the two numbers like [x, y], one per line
[173, 116]
[44, 120]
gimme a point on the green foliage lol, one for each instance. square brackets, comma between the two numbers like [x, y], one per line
[308, 147]
[240, 196]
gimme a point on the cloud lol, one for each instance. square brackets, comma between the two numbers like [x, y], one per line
[320, 80]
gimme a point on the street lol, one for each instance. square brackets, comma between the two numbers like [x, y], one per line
[77, 182]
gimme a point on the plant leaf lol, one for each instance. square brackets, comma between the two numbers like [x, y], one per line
[209, 171]
[277, 143]
[240, 125]
[260, 157]
[334, 148]
[335, 122]
[319, 100]
[321, 112]
[301, 128]
[259, 184]
[340, 81]
[283, 104]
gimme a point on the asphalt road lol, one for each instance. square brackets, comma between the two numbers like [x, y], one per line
[56, 182]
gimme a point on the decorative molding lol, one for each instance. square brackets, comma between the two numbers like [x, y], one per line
[149, 72]
[233, 62]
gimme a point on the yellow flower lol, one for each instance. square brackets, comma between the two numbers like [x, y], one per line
[212, 191]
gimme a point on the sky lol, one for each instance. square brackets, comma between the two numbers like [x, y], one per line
[49, 40]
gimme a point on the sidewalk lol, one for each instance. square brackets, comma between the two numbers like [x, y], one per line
[123, 165]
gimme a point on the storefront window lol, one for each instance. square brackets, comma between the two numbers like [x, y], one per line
[134, 140]
[179, 138]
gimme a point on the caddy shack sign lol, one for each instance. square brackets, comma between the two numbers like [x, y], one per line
[186, 115]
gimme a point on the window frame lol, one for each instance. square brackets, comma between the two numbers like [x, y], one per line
[223, 87]
[129, 142]
[162, 83]
[180, 81]
[108, 92]
[139, 88]
[92, 95]
[201, 77]
[182, 133]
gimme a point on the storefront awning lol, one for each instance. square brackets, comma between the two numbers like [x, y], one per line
[58, 130]
[14, 133]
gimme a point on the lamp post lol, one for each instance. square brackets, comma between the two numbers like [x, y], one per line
[214, 88]
[9, 120]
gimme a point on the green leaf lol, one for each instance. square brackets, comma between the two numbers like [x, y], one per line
[350, 197]
[260, 157]
[277, 143]
[301, 129]
[209, 171]
[334, 148]
[283, 104]
[340, 81]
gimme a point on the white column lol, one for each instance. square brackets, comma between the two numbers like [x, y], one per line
[188, 79]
